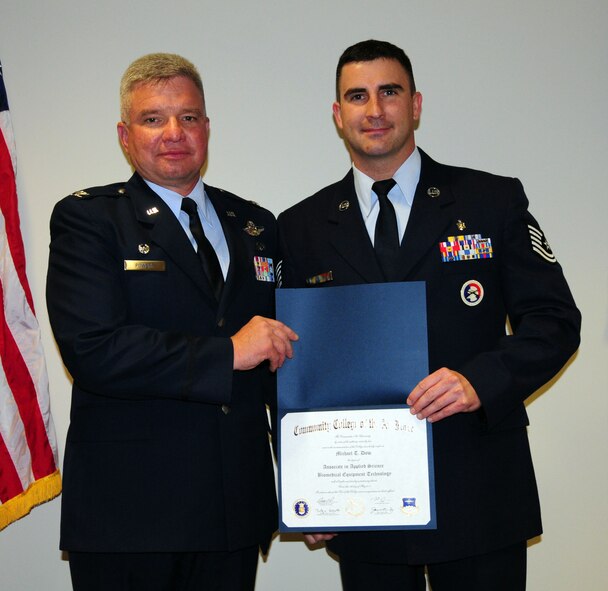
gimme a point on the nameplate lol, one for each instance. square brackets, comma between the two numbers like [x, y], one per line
[145, 265]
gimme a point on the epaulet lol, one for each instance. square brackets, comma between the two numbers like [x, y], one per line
[237, 198]
[114, 190]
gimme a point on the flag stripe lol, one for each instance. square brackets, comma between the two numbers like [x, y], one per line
[12, 433]
[16, 313]
[10, 211]
[23, 357]
[28, 450]
[24, 394]
[10, 483]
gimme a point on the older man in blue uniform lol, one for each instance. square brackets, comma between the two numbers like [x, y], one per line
[400, 216]
[160, 295]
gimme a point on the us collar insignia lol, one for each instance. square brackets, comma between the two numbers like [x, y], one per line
[433, 192]
[152, 211]
[252, 229]
[344, 205]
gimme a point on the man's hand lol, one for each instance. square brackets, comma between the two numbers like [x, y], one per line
[312, 539]
[260, 339]
[441, 394]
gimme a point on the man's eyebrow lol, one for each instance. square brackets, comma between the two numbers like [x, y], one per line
[354, 91]
[156, 111]
[393, 86]
[148, 112]
[389, 86]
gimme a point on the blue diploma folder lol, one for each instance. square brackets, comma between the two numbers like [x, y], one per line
[360, 345]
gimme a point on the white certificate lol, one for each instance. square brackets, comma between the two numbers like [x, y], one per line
[355, 469]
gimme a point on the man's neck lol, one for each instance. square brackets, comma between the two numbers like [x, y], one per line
[381, 168]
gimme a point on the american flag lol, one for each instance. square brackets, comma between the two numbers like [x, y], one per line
[28, 448]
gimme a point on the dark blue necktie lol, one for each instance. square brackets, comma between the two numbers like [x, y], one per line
[386, 236]
[205, 251]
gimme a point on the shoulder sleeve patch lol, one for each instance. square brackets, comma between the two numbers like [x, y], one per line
[540, 245]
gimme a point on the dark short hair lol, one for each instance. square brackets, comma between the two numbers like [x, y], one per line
[367, 51]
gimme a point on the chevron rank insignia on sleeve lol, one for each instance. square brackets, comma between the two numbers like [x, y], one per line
[540, 245]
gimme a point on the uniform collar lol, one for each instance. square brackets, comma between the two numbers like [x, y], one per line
[173, 200]
[406, 177]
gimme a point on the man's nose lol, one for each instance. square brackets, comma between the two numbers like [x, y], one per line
[173, 129]
[374, 107]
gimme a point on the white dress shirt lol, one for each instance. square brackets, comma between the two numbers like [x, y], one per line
[207, 214]
[401, 195]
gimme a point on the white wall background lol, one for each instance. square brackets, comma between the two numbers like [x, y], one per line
[515, 87]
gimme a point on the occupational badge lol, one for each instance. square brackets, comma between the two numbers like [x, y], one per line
[253, 230]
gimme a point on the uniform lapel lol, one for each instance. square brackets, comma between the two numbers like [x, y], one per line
[166, 231]
[349, 236]
[430, 215]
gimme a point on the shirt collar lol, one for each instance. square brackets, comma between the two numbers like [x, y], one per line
[173, 200]
[406, 177]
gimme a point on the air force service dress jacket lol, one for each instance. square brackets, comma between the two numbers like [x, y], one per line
[486, 492]
[167, 448]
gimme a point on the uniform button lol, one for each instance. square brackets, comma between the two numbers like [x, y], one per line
[225, 409]
[221, 322]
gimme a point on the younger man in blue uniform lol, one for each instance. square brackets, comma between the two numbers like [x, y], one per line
[400, 216]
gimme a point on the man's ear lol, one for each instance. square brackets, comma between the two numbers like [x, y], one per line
[123, 135]
[337, 114]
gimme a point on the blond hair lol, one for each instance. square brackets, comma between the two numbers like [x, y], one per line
[152, 69]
